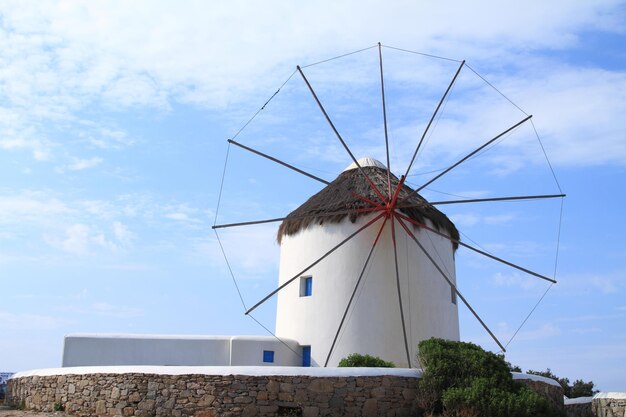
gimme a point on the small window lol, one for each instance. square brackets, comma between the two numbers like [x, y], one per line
[268, 356]
[452, 295]
[306, 356]
[306, 286]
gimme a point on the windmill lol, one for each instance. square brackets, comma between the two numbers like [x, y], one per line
[368, 221]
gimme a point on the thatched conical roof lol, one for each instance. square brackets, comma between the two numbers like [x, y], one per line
[338, 197]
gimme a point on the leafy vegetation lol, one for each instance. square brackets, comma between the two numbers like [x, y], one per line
[463, 380]
[356, 360]
[579, 388]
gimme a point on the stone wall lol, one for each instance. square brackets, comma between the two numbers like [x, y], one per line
[553, 393]
[608, 405]
[579, 410]
[148, 395]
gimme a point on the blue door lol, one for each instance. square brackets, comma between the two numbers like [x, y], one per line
[306, 356]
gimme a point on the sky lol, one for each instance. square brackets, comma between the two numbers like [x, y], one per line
[114, 120]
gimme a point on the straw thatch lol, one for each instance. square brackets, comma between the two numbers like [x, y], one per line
[338, 196]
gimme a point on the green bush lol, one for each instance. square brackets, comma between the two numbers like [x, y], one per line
[487, 400]
[357, 360]
[462, 379]
[579, 388]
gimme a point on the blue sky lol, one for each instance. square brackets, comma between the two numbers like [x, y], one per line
[113, 125]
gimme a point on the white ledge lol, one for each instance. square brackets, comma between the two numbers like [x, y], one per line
[611, 395]
[519, 375]
[224, 370]
[577, 400]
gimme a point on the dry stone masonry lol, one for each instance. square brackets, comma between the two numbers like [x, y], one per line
[147, 395]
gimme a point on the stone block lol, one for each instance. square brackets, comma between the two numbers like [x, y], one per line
[115, 393]
[336, 401]
[249, 411]
[285, 396]
[378, 392]
[146, 405]
[206, 400]
[206, 413]
[321, 385]
[101, 407]
[370, 408]
[286, 387]
[310, 412]
[242, 400]
[408, 394]
[268, 409]
[135, 397]
[272, 386]
[301, 396]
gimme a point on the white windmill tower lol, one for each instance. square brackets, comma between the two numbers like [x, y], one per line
[351, 302]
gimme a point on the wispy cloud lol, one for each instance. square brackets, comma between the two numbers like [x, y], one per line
[21, 321]
[58, 64]
[253, 252]
[525, 282]
[81, 164]
[80, 239]
[608, 283]
[116, 311]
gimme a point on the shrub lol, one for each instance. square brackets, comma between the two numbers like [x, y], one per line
[579, 388]
[462, 379]
[356, 360]
[487, 400]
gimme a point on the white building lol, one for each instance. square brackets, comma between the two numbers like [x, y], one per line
[311, 307]
[130, 349]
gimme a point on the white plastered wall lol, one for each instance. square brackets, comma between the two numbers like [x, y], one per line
[373, 325]
[125, 349]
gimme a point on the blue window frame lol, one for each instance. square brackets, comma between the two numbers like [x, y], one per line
[268, 356]
[306, 356]
[306, 286]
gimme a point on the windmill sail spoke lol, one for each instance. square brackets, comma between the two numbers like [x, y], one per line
[319, 103]
[285, 164]
[465, 245]
[483, 200]
[406, 174]
[395, 259]
[382, 93]
[356, 287]
[465, 158]
[279, 219]
[445, 276]
[278, 161]
[340, 244]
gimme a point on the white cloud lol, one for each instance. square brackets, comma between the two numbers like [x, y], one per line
[253, 251]
[12, 321]
[31, 206]
[470, 219]
[122, 234]
[62, 57]
[465, 219]
[525, 282]
[115, 311]
[107, 138]
[79, 239]
[81, 164]
[182, 213]
[611, 282]
[544, 331]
